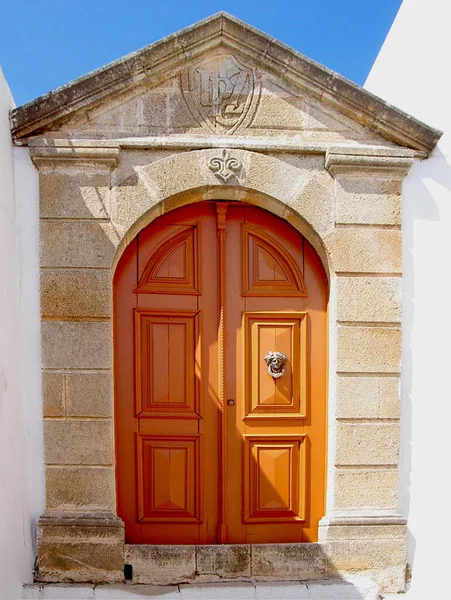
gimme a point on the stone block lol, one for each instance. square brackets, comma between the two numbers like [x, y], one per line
[73, 193]
[132, 199]
[76, 345]
[89, 394]
[365, 250]
[384, 559]
[53, 394]
[367, 444]
[78, 442]
[368, 397]
[263, 175]
[159, 178]
[366, 489]
[368, 200]
[80, 488]
[75, 293]
[369, 349]
[314, 202]
[287, 561]
[372, 299]
[77, 549]
[223, 562]
[77, 243]
[363, 532]
[161, 565]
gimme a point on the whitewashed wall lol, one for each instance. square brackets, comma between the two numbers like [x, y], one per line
[21, 454]
[413, 72]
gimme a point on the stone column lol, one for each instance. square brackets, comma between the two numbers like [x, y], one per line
[80, 538]
[365, 531]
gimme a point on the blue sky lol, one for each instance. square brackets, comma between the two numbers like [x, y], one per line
[46, 43]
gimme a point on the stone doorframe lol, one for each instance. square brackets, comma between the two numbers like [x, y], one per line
[95, 196]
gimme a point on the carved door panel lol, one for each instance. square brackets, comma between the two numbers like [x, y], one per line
[211, 447]
[166, 409]
[276, 321]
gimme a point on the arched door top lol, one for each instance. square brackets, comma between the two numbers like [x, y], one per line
[299, 191]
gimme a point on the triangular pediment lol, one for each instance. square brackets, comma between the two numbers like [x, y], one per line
[219, 78]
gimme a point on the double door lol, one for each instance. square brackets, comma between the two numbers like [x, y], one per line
[220, 379]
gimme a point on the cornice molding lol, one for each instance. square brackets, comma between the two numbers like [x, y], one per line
[223, 30]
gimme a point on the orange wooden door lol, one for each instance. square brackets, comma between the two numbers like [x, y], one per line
[165, 344]
[210, 446]
[276, 307]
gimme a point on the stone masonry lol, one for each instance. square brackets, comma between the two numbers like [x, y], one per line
[126, 144]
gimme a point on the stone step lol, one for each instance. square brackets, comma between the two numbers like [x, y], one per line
[352, 589]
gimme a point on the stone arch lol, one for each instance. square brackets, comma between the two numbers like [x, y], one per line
[296, 189]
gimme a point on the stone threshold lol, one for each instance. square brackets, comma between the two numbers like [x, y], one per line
[166, 565]
[358, 589]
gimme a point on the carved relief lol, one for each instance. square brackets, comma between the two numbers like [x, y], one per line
[220, 93]
[225, 166]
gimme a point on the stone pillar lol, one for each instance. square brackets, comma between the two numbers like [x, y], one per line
[365, 531]
[80, 538]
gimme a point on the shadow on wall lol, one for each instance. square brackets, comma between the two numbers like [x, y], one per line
[422, 380]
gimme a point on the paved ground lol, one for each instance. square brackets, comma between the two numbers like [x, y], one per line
[361, 589]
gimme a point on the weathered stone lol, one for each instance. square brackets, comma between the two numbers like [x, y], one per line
[287, 561]
[385, 559]
[369, 349]
[223, 562]
[53, 394]
[372, 299]
[75, 292]
[367, 443]
[161, 565]
[369, 162]
[365, 250]
[75, 549]
[368, 200]
[366, 489]
[76, 345]
[78, 442]
[132, 199]
[314, 201]
[89, 394]
[368, 397]
[74, 193]
[80, 488]
[364, 532]
[77, 243]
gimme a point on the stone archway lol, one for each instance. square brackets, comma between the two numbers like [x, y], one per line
[349, 211]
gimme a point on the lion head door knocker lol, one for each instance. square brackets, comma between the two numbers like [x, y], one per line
[276, 363]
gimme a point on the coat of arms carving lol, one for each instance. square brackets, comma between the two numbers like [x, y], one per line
[221, 93]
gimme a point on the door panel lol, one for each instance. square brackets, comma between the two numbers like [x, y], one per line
[212, 445]
[171, 383]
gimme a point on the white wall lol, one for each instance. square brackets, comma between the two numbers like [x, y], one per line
[413, 72]
[21, 455]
